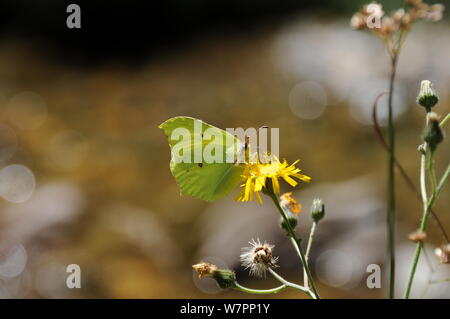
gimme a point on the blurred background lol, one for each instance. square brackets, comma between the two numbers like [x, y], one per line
[84, 170]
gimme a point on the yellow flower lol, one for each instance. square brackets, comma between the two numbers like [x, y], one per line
[286, 201]
[256, 175]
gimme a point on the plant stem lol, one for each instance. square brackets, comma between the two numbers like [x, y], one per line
[297, 243]
[260, 291]
[308, 249]
[423, 226]
[292, 285]
[402, 171]
[432, 172]
[440, 281]
[391, 182]
[423, 183]
[296, 249]
[445, 120]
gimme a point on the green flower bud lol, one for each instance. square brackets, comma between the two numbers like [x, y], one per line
[225, 278]
[291, 219]
[427, 95]
[317, 210]
[433, 134]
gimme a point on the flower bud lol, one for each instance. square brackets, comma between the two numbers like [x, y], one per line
[317, 210]
[291, 209]
[427, 95]
[291, 219]
[225, 278]
[433, 134]
[204, 269]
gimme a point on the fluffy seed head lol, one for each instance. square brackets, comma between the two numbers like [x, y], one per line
[258, 258]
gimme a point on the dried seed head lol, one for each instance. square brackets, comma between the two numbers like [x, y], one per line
[388, 25]
[406, 20]
[434, 13]
[258, 258]
[398, 15]
[417, 236]
[225, 278]
[443, 254]
[357, 22]
[204, 269]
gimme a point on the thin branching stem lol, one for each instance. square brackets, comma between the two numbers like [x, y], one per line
[297, 244]
[402, 171]
[390, 218]
[291, 284]
[260, 291]
[423, 226]
[445, 120]
[308, 249]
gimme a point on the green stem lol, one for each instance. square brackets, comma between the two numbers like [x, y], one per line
[423, 226]
[260, 291]
[423, 183]
[296, 248]
[308, 249]
[292, 285]
[391, 183]
[445, 120]
[297, 243]
[440, 281]
[432, 172]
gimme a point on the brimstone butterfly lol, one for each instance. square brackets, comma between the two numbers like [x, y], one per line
[196, 176]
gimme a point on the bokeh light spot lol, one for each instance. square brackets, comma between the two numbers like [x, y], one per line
[13, 259]
[27, 110]
[8, 143]
[17, 183]
[308, 100]
[68, 149]
[335, 268]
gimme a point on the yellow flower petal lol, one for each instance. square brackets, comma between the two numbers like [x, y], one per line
[292, 182]
[255, 175]
[276, 185]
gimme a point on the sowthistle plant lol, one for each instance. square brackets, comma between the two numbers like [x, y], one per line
[392, 30]
[433, 136]
[257, 174]
[258, 257]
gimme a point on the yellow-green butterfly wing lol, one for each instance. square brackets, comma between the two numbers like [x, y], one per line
[200, 178]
